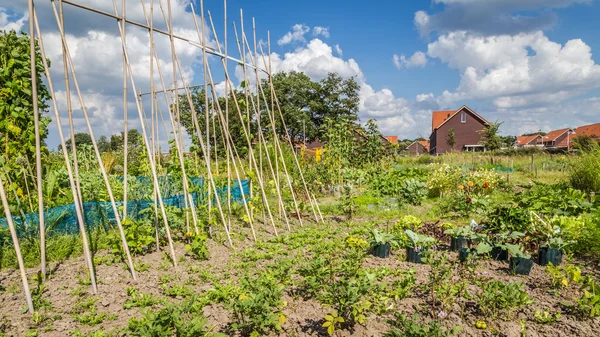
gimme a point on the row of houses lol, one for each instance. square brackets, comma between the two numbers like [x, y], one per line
[461, 130]
[559, 139]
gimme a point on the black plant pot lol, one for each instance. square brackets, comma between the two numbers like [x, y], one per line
[520, 266]
[459, 242]
[550, 255]
[464, 253]
[412, 256]
[499, 254]
[382, 251]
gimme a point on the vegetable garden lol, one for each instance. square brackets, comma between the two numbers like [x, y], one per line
[240, 235]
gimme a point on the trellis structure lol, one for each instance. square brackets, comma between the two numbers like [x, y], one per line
[249, 59]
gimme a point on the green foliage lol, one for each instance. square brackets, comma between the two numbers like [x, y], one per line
[347, 202]
[410, 327]
[419, 241]
[17, 132]
[414, 192]
[382, 238]
[584, 173]
[389, 182]
[183, 319]
[509, 219]
[197, 248]
[498, 297]
[588, 305]
[555, 200]
[139, 300]
[491, 140]
[140, 236]
[545, 317]
[561, 276]
[258, 307]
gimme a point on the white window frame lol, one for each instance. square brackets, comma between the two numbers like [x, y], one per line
[463, 117]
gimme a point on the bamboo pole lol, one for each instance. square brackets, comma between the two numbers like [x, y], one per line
[38, 153]
[178, 143]
[95, 146]
[125, 119]
[145, 138]
[204, 66]
[246, 132]
[70, 115]
[15, 239]
[227, 115]
[76, 201]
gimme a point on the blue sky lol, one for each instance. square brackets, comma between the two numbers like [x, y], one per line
[529, 63]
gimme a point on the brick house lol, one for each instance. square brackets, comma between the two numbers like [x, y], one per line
[592, 131]
[529, 141]
[466, 124]
[418, 147]
[558, 139]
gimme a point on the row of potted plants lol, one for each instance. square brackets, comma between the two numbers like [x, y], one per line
[469, 241]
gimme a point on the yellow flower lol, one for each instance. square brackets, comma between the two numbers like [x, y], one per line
[460, 187]
[565, 282]
[470, 183]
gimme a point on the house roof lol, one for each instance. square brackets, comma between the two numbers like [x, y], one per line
[552, 135]
[425, 143]
[592, 130]
[392, 139]
[439, 118]
[524, 140]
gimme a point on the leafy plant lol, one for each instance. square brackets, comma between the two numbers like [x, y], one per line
[197, 247]
[332, 321]
[347, 202]
[413, 191]
[546, 316]
[410, 327]
[139, 300]
[382, 238]
[419, 241]
[588, 305]
[497, 297]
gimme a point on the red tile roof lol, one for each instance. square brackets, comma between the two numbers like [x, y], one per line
[592, 130]
[552, 135]
[425, 143]
[439, 117]
[525, 140]
[392, 139]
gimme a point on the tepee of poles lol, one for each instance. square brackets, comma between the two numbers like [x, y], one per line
[258, 99]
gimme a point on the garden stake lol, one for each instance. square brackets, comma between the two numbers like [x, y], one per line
[76, 201]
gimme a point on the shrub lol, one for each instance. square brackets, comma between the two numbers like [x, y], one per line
[585, 171]
[410, 327]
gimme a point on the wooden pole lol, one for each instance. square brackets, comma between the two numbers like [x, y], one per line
[95, 146]
[125, 119]
[15, 239]
[76, 201]
[38, 153]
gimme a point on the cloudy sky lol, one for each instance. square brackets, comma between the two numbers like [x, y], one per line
[529, 63]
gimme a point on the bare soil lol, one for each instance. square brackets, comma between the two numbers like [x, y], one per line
[66, 287]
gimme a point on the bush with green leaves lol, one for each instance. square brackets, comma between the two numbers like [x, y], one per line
[347, 297]
[584, 173]
[402, 326]
[413, 192]
[184, 319]
[588, 305]
[258, 308]
[140, 236]
[497, 298]
[197, 248]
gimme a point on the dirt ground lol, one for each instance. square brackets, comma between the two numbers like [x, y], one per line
[66, 287]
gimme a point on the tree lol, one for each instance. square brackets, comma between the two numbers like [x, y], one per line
[81, 138]
[451, 138]
[491, 140]
[17, 131]
[584, 143]
[338, 99]
[103, 144]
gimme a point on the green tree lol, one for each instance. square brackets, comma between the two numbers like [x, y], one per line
[103, 144]
[338, 99]
[491, 139]
[451, 138]
[81, 138]
[17, 131]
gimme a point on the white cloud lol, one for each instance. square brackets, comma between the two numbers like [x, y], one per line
[7, 24]
[491, 17]
[418, 59]
[296, 35]
[323, 31]
[338, 50]
[516, 71]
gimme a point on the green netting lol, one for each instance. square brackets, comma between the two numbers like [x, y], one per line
[63, 219]
[504, 169]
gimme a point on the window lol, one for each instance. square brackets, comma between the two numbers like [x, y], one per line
[463, 117]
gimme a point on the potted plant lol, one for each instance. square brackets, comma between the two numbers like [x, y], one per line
[381, 243]
[462, 237]
[418, 244]
[520, 262]
[500, 248]
[552, 251]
